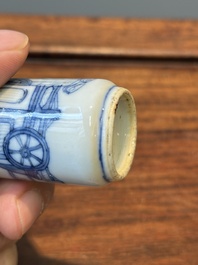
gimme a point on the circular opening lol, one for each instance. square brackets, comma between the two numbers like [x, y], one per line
[124, 134]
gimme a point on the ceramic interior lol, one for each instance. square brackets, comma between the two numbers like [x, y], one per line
[124, 134]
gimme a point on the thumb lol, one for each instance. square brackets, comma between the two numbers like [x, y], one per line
[14, 48]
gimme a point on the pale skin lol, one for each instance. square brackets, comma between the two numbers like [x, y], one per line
[21, 202]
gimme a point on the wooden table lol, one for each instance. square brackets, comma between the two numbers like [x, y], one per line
[150, 218]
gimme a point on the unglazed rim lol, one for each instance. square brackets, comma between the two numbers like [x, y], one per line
[119, 134]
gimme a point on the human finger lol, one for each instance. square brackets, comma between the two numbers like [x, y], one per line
[14, 47]
[21, 203]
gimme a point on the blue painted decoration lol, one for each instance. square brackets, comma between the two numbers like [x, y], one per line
[25, 150]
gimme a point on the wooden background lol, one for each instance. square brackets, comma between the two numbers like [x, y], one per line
[152, 216]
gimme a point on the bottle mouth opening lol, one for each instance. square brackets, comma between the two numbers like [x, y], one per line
[121, 135]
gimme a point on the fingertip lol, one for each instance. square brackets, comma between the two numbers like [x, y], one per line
[14, 48]
[30, 206]
[11, 40]
[11, 62]
[21, 203]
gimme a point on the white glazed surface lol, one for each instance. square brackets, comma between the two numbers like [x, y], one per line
[68, 141]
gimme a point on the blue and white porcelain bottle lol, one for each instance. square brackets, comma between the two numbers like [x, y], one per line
[79, 131]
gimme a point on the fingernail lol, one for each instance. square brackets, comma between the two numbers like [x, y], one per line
[30, 206]
[12, 40]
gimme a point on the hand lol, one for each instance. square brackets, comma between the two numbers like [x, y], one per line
[21, 202]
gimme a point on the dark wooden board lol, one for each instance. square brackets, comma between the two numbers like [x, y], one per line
[107, 37]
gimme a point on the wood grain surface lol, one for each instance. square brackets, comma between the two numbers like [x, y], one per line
[107, 37]
[151, 217]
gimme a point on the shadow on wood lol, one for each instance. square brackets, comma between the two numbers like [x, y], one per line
[28, 255]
